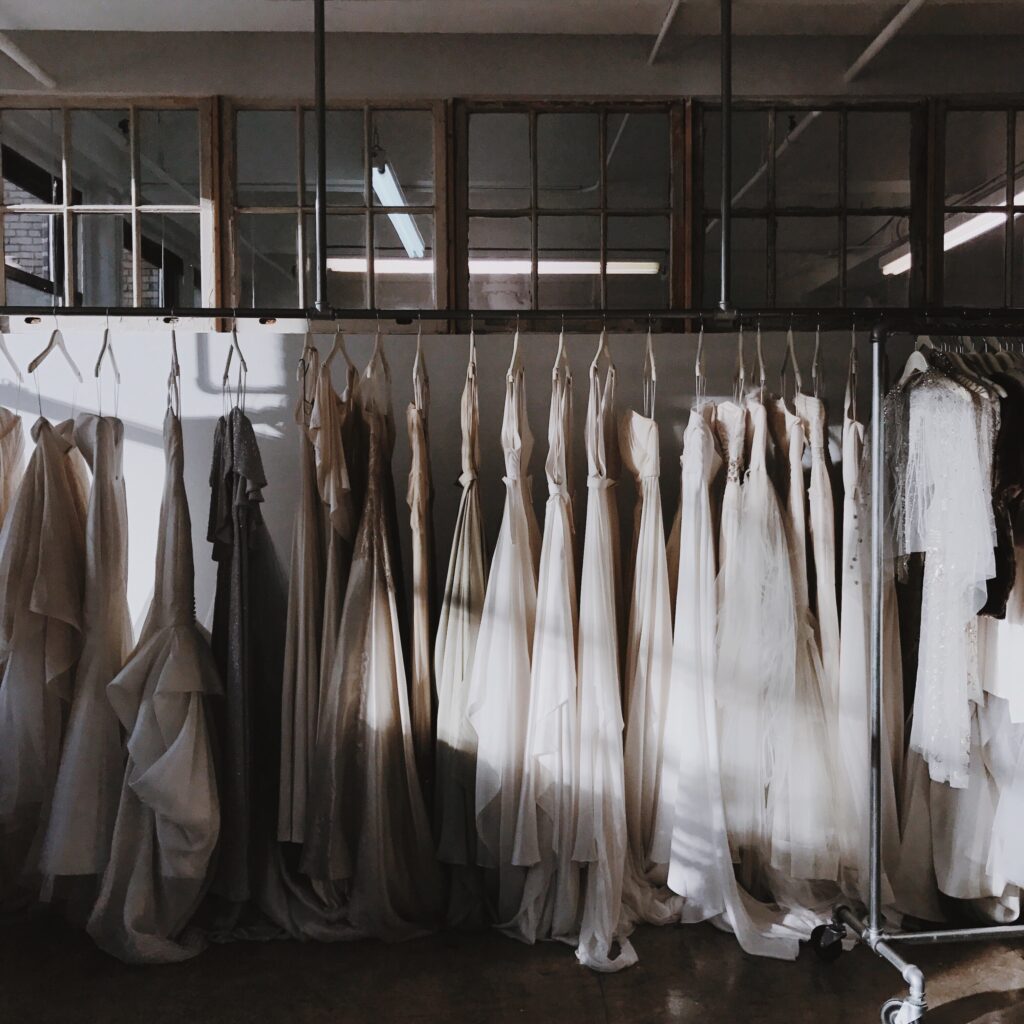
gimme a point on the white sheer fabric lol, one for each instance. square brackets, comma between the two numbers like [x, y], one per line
[499, 689]
[88, 787]
[42, 575]
[168, 819]
[550, 907]
[454, 648]
[601, 841]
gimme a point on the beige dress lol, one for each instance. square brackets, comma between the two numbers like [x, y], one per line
[12, 458]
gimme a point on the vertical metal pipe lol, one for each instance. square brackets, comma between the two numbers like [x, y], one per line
[878, 340]
[320, 104]
[725, 9]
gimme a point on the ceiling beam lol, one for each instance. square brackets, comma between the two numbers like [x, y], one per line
[670, 16]
[25, 62]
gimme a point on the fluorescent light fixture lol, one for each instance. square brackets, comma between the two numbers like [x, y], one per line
[979, 224]
[389, 192]
[496, 267]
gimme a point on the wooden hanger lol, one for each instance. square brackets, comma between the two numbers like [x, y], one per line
[56, 341]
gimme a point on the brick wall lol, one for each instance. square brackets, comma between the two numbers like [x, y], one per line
[26, 235]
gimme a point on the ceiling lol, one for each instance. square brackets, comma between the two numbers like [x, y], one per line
[573, 17]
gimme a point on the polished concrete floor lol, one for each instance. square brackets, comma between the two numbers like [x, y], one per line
[49, 973]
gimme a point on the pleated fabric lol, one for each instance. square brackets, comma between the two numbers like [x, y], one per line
[499, 689]
[168, 818]
[300, 686]
[648, 676]
[601, 842]
[368, 824]
[454, 649]
[550, 907]
[690, 826]
[42, 578]
[12, 458]
[88, 786]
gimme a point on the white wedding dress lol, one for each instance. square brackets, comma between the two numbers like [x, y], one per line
[499, 689]
[550, 907]
[601, 841]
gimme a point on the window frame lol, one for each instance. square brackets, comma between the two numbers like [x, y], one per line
[206, 208]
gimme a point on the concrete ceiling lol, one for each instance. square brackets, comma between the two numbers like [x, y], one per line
[571, 17]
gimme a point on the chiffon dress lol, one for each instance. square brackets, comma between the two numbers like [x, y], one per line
[168, 818]
[368, 833]
[690, 827]
[419, 498]
[648, 677]
[88, 787]
[601, 842]
[499, 688]
[460, 615]
[42, 576]
[12, 459]
[550, 907]
[300, 688]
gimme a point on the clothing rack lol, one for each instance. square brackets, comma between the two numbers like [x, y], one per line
[1007, 323]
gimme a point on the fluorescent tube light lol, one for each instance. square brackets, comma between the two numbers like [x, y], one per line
[495, 267]
[389, 192]
[979, 224]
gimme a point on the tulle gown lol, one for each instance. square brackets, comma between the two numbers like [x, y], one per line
[168, 819]
[88, 787]
[601, 842]
[690, 827]
[648, 677]
[547, 813]
[461, 611]
[42, 575]
[304, 624]
[368, 833]
[12, 458]
[499, 689]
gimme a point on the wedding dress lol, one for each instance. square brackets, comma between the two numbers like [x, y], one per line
[550, 906]
[12, 458]
[42, 575]
[500, 680]
[601, 842]
[368, 826]
[168, 819]
[461, 611]
[88, 786]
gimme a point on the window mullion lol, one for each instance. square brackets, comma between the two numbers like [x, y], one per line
[841, 185]
[68, 240]
[371, 284]
[602, 146]
[300, 197]
[136, 219]
[534, 203]
[1011, 146]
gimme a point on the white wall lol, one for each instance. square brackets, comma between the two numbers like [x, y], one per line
[143, 358]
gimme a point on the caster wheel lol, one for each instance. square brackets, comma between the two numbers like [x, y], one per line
[827, 942]
[891, 1011]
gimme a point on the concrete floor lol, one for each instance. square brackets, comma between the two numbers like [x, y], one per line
[50, 973]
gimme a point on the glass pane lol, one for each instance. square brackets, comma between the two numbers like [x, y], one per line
[807, 261]
[168, 156]
[499, 263]
[750, 146]
[806, 158]
[1018, 137]
[403, 254]
[499, 161]
[346, 260]
[266, 150]
[569, 262]
[346, 167]
[568, 161]
[975, 158]
[32, 156]
[402, 157]
[638, 262]
[878, 158]
[749, 263]
[101, 164]
[171, 260]
[877, 261]
[103, 275]
[266, 252]
[637, 163]
[33, 249]
[974, 269]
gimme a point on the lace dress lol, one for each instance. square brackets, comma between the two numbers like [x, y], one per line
[547, 813]
[601, 841]
[168, 819]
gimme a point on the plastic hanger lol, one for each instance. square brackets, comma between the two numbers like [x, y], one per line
[471, 367]
[420, 380]
[851, 376]
[562, 355]
[56, 341]
[650, 375]
[789, 359]
[516, 363]
[107, 349]
[6, 353]
[235, 347]
[918, 362]
[739, 380]
[816, 362]
[338, 347]
[174, 379]
[604, 353]
[700, 379]
[762, 376]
